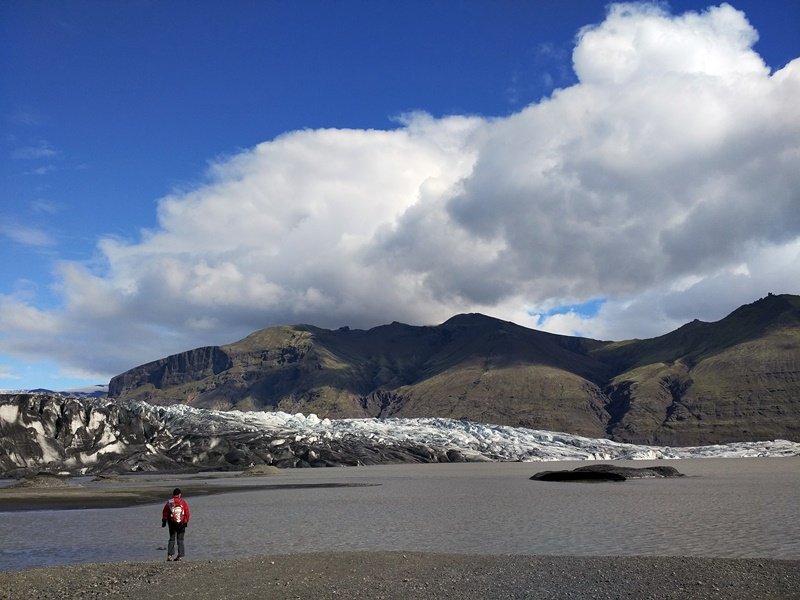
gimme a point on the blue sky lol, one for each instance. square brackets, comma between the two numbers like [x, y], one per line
[177, 174]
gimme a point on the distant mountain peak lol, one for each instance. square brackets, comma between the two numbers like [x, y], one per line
[472, 319]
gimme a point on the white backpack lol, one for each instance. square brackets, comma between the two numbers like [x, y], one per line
[176, 512]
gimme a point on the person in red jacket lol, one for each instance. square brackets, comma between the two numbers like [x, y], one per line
[176, 515]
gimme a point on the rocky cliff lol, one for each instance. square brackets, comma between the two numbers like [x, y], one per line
[734, 380]
[173, 371]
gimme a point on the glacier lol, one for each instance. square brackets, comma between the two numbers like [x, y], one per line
[41, 432]
[477, 440]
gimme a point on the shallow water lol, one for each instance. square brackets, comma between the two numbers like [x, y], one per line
[723, 508]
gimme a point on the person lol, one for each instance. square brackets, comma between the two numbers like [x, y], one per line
[176, 515]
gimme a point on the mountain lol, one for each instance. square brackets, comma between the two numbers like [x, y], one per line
[737, 379]
[471, 366]
[95, 391]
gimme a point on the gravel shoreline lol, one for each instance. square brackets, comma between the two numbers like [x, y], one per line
[405, 575]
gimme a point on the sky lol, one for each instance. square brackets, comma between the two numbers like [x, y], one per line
[179, 174]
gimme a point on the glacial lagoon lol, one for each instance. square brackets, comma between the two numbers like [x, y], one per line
[733, 507]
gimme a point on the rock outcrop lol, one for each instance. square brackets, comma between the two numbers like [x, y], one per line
[605, 472]
[172, 371]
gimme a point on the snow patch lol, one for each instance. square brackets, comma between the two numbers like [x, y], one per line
[107, 437]
[96, 419]
[9, 413]
[76, 423]
[117, 448]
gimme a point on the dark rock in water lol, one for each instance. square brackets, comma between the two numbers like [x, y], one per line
[666, 471]
[455, 456]
[607, 473]
[632, 472]
[578, 476]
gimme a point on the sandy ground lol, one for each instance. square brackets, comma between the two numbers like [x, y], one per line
[396, 576]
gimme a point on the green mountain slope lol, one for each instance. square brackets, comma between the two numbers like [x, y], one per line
[736, 379]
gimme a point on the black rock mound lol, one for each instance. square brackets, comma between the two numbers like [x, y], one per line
[607, 473]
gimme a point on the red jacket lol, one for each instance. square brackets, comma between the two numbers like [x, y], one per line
[176, 501]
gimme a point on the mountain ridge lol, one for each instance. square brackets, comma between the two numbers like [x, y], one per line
[736, 379]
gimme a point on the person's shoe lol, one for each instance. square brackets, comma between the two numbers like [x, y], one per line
[177, 558]
[169, 558]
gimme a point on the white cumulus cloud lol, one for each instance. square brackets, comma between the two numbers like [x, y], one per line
[665, 181]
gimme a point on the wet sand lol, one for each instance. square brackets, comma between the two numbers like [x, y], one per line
[396, 576]
[120, 495]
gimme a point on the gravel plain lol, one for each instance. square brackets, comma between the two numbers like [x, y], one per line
[397, 575]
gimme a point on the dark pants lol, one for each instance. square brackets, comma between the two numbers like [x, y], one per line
[176, 530]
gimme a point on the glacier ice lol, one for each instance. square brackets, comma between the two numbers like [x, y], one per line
[52, 433]
[491, 442]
